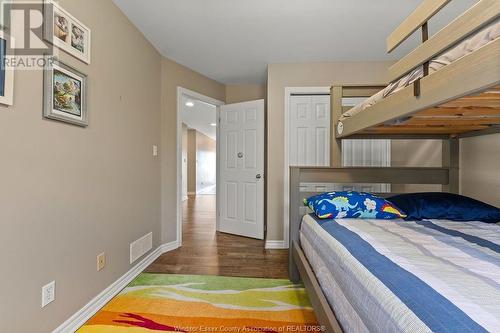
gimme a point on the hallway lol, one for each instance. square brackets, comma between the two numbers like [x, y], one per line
[204, 251]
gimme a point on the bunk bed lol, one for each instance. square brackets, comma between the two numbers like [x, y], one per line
[447, 88]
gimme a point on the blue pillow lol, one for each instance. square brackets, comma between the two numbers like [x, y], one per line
[338, 205]
[446, 206]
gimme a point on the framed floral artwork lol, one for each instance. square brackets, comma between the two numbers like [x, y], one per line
[65, 91]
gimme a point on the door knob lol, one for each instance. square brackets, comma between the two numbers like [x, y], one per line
[258, 176]
[240, 155]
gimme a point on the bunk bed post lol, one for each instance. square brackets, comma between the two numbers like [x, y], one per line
[336, 112]
[294, 224]
[451, 160]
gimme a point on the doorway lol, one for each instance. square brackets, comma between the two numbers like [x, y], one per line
[220, 169]
[197, 149]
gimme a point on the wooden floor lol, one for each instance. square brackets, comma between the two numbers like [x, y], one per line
[207, 252]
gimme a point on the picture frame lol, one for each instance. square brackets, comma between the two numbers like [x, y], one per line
[65, 93]
[6, 72]
[66, 32]
[4, 18]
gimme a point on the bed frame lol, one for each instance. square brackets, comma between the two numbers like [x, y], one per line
[299, 268]
[460, 100]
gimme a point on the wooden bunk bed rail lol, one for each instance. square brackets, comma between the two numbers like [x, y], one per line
[481, 14]
[426, 10]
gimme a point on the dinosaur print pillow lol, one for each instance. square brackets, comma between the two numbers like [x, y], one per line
[345, 205]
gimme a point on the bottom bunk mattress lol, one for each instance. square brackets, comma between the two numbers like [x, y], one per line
[404, 276]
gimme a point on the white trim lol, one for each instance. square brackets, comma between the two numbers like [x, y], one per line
[275, 245]
[286, 172]
[167, 247]
[91, 308]
[180, 92]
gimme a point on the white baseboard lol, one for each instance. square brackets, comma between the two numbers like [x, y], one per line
[91, 308]
[275, 245]
[167, 247]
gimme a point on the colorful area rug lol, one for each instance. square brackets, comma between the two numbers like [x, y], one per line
[193, 303]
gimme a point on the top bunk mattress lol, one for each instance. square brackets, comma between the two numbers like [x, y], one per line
[469, 45]
[403, 276]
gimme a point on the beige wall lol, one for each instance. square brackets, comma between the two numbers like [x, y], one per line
[69, 193]
[302, 75]
[416, 153]
[191, 161]
[205, 170]
[244, 93]
[173, 76]
[480, 168]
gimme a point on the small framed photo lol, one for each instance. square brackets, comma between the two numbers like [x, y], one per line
[6, 71]
[65, 91]
[66, 32]
[5, 14]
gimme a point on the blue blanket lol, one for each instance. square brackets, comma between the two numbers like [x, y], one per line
[443, 274]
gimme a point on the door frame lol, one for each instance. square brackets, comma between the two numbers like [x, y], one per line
[289, 91]
[195, 95]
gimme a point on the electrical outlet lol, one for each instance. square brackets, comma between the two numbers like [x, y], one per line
[101, 261]
[48, 293]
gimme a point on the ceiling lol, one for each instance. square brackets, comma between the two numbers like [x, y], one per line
[200, 116]
[233, 41]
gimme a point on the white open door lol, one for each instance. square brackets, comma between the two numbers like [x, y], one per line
[241, 135]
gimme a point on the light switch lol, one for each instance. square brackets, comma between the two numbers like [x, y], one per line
[155, 150]
[101, 261]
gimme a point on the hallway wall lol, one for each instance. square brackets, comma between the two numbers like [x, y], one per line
[69, 193]
[206, 162]
[174, 75]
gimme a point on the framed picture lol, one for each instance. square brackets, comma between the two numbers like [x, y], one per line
[4, 14]
[66, 32]
[65, 91]
[6, 72]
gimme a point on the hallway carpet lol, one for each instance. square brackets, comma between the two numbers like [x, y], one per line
[196, 303]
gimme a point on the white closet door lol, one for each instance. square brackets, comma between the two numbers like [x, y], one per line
[309, 144]
[309, 140]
